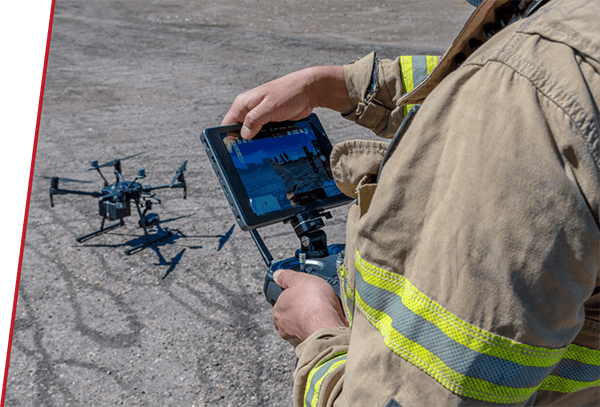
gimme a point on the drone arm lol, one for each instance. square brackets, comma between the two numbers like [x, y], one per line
[154, 187]
[180, 184]
[120, 177]
[102, 175]
[56, 191]
[163, 186]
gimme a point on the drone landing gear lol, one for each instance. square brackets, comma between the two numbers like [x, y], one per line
[147, 221]
[100, 231]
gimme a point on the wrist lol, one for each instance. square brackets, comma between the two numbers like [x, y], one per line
[324, 318]
[327, 87]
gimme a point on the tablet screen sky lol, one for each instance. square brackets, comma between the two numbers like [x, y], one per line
[257, 150]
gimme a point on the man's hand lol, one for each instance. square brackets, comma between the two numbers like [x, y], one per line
[291, 97]
[307, 304]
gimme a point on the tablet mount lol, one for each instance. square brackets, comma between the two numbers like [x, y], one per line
[313, 257]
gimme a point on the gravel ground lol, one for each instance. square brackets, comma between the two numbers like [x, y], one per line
[95, 327]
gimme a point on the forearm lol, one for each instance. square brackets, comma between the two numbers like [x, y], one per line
[329, 87]
[291, 97]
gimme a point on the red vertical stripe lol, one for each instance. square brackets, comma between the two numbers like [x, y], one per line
[37, 129]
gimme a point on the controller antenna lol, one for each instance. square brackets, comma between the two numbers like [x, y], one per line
[262, 247]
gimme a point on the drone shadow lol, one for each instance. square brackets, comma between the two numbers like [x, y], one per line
[222, 238]
[174, 219]
[171, 236]
[172, 264]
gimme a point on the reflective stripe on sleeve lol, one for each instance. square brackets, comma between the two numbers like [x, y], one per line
[317, 375]
[414, 70]
[432, 61]
[465, 359]
[578, 369]
[348, 293]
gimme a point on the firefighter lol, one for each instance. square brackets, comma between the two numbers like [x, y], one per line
[471, 274]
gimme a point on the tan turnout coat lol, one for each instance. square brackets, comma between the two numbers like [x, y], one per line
[486, 216]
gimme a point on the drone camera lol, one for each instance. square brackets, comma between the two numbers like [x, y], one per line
[150, 220]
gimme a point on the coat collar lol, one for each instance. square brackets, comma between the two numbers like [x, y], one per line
[489, 17]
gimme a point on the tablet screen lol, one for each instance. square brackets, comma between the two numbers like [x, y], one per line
[281, 167]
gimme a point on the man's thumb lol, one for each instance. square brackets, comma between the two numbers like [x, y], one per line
[284, 278]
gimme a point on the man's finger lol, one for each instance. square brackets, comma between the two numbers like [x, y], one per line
[236, 114]
[241, 106]
[255, 119]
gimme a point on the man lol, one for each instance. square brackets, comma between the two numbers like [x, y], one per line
[471, 274]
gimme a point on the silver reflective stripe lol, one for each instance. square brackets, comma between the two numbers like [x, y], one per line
[317, 376]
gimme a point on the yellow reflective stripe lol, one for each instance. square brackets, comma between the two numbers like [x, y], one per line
[318, 374]
[583, 355]
[348, 293]
[407, 78]
[412, 72]
[436, 368]
[579, 369]
[462, 332]
[462, 357]
[334, 366]
[432, 61]
[564, 385]
[406, 73]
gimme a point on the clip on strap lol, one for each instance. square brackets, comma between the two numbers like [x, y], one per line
[399, 133]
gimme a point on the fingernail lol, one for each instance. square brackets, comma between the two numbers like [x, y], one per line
[275, 274]
[245, 132]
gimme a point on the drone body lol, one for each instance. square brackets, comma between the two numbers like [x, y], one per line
[115, 200]
[118, 205]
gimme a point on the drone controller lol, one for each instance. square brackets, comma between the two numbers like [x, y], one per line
[324, 267]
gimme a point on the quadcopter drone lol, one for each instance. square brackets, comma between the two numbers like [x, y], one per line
[114, 200]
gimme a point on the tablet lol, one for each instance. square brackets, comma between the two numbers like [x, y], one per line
[281, 172]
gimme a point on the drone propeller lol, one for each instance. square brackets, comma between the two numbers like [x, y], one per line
[183, 166]
[63, 180]
[179, 172]
[94, 163]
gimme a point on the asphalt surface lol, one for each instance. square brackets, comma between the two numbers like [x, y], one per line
[184, 322]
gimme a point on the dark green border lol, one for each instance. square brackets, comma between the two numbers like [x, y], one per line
[23, 31]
